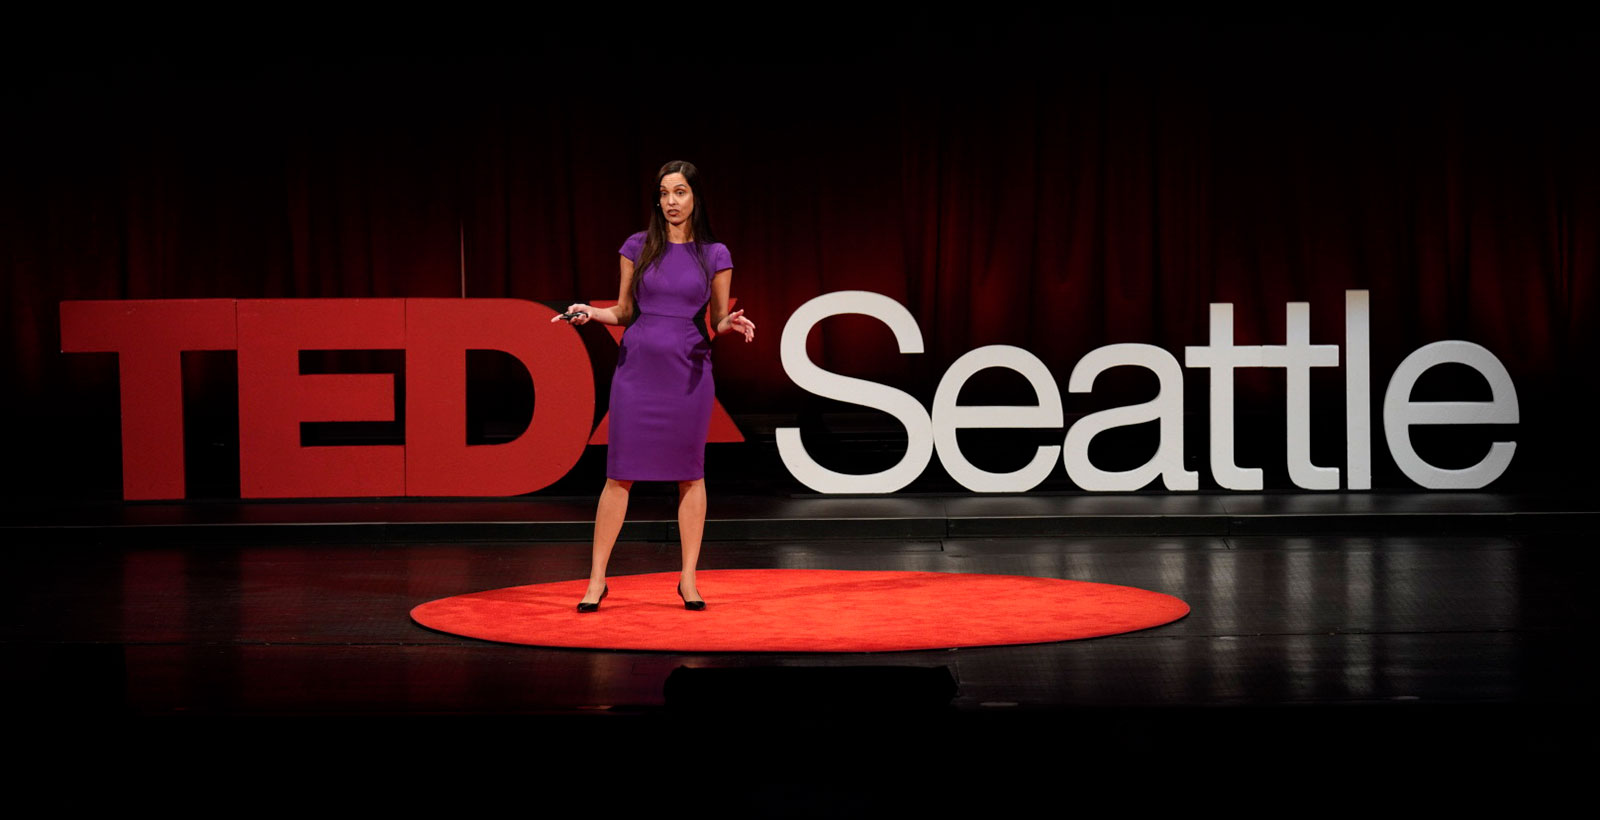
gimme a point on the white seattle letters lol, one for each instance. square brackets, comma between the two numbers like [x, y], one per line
[927, 433]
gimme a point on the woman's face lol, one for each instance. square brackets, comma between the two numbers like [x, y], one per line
[677, 199]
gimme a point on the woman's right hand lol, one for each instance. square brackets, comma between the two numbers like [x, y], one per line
[582, 310]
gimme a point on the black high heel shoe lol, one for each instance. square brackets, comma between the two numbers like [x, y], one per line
[692, 606]
[595, 607]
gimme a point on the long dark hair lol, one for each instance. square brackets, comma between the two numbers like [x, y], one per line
[655, 240]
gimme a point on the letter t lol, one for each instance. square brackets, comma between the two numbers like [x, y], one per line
[1222, 357]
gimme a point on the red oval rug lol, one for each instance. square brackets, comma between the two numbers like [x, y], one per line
[787, 610]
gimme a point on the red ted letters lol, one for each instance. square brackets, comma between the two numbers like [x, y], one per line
[149, 337]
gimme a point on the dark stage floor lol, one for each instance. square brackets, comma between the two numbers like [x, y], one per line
[1300, 645]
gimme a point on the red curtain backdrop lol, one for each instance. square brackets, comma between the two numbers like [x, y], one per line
[1055, 189]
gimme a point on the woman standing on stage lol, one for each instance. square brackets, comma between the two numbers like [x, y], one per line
[661, 394]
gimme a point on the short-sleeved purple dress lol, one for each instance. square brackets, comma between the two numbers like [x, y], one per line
[661, 394]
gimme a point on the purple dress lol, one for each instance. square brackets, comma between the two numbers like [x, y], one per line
[661, 394]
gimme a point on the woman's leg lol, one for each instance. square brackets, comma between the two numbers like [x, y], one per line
[607, 523]
[691, 524]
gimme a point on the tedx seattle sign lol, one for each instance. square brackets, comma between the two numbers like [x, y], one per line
[149, 337]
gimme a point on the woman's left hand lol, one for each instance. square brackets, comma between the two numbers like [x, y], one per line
[737, 322]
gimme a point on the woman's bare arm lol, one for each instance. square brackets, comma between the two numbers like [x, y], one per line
[721, 320]
[622, 313]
